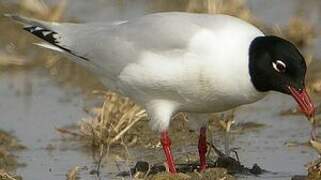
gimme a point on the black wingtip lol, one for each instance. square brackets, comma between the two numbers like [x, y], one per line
[49, 36]
[41, 31]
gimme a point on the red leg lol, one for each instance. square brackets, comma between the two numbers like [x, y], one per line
[166, 143]
[202, 149]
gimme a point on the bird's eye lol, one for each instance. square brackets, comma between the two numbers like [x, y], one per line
[279, 66]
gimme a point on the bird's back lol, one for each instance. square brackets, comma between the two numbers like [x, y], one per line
[113, 47]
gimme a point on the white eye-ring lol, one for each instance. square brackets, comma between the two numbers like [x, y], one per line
[279, 66]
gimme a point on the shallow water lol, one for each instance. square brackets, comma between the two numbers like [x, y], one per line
[34, 104]
[268, 146]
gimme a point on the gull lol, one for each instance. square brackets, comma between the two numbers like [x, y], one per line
[181, 62]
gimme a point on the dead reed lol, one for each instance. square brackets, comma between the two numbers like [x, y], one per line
[8, 161]
[111, 121]
[298, 30]
[6, 176]
[236, 8]
[73, 173]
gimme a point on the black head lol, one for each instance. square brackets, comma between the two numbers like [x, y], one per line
[276, 64]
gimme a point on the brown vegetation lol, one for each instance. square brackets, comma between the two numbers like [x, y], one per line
[8, 161]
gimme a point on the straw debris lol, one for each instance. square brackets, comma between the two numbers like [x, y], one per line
[8, 161]
[73, 173]
[110, 122]
[301, 32]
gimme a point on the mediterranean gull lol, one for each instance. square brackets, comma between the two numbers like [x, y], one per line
[181, 62]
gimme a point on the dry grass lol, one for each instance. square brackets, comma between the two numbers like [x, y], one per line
[8, 161]
[73, 173]
[236, 8]
[110, 122]
[8, 143]
[6, 176]
[208, 174]
[41, 10]
[301, 32]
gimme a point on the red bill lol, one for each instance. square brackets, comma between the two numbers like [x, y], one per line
[304, 101]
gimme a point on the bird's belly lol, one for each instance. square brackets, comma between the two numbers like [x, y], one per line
[188, 98]
[193, 85]
[212, 101]
[214, 106]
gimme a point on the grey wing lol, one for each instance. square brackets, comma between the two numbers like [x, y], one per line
[109, 47]
[114, 47]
